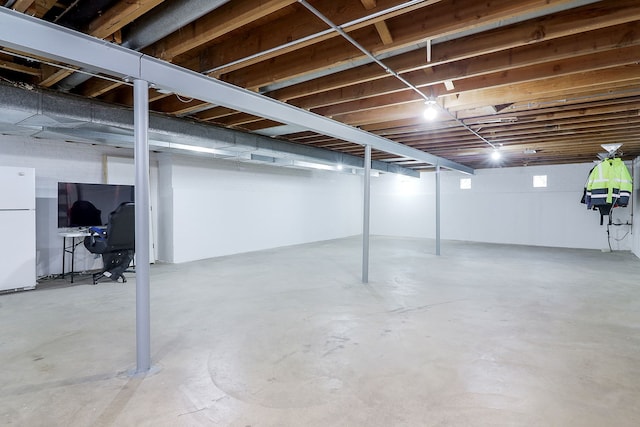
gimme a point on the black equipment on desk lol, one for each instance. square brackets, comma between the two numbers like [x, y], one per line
[84, 205]
[116, 243]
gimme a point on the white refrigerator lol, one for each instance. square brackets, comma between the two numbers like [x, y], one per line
[17, 228]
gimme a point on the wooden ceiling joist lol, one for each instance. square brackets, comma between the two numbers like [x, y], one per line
[553, 75]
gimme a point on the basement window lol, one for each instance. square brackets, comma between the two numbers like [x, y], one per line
[539, 181]
[465, 183]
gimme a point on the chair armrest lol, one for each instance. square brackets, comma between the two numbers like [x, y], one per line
[99, 231]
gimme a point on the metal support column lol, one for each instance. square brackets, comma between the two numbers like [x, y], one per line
[437, 209]
[365, 221]
[141, 159]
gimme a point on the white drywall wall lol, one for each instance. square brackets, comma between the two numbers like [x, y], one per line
[205, 207]
[635, 239]
[57, 161]
[501, 207]
[222, 207]
[164, 209]
[209, 208]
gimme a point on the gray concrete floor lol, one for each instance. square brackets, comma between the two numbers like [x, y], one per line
[485, 335]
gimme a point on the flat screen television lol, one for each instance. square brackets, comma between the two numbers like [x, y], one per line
[86, 205]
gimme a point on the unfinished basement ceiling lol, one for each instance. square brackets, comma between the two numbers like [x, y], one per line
[546, 82]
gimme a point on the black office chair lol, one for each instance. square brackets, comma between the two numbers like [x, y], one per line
[116, 244]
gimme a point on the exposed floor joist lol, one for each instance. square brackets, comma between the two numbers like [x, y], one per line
[480, 59]
[27, 34]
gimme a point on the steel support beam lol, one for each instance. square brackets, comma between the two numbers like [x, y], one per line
[366, 214]
[141, 161]
[31, 35]
[65, 45]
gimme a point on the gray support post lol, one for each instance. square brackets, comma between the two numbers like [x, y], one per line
[365, 221]
[141, 159]
[438, 209]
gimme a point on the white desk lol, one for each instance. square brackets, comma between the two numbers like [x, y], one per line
[71, 249]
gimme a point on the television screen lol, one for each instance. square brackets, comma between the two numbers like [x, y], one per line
[86, 205]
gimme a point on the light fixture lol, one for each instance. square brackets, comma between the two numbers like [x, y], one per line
[430, 112]
[495, 155]
[530, 151]
[611, 148]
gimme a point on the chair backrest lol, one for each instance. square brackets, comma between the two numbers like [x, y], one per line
[121, 231]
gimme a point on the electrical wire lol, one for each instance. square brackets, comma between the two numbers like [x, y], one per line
[621, 238]
[314, 36]
[71, 6]
[427, 98]
[616, 224]
[185, 100]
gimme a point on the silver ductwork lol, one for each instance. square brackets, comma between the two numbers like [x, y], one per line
[51, 115]
[157, 24]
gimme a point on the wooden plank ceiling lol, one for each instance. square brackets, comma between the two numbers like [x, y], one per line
[545, 81]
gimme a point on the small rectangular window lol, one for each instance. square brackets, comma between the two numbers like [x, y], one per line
[465, 183]
[539, 181]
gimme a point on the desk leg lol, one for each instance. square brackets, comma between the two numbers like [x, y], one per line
[68, 250]
[64, 253]
[73, 255]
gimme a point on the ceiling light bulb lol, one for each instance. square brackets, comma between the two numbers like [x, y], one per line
[430, 112]
[495, 155]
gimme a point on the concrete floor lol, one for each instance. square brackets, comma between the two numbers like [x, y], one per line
[485, 335]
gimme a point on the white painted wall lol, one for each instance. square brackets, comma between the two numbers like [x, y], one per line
[57, 161]
[221, 207]
[164, 209]
[501, 207]
[635, 238]
[403, 206]
[209, 208]
[205, 207]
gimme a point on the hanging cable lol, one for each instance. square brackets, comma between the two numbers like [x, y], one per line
[315, 35]
[64, 12]
[411, 86]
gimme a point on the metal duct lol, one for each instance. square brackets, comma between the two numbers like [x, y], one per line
[165, 19]
[68, 118]
[157, 24]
